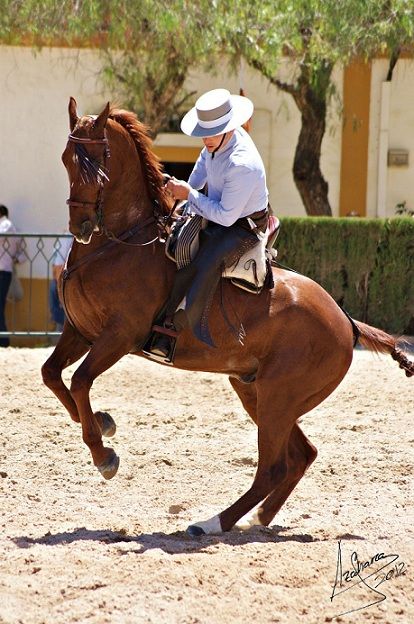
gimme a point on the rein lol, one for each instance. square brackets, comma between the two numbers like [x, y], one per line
[90, 171]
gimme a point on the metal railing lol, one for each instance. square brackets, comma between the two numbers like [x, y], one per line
[33, 257]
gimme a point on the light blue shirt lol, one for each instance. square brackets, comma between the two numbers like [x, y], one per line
[236, 181]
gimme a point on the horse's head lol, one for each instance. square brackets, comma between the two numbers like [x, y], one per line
[85, 159]
[135, 191]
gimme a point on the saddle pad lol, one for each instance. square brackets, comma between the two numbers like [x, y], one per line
[249, 272]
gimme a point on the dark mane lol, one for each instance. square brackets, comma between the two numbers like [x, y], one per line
[150, 162]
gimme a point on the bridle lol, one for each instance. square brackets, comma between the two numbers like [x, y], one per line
[100, 172]
[102, 176]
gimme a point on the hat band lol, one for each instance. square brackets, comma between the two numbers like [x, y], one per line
[216, 122]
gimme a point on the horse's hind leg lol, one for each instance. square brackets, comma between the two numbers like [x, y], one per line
[301, 454]
[247, 394]
[275, 418]
[285, 391]
[70, 348]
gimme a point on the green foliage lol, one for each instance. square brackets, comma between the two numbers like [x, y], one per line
[391, 290]
[149, 46]
[315, 35]
[367, 265]
[149, 64]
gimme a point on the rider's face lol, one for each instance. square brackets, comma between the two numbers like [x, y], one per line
[213, 142]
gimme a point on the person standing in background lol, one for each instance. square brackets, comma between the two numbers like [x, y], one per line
[9, 255]
[58, 262]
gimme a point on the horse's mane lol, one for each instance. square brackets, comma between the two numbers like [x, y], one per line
[150, 162]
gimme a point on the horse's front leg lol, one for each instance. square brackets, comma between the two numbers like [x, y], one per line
[105, 352]
[70, 348]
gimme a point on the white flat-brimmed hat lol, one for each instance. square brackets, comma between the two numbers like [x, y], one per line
[216, 112]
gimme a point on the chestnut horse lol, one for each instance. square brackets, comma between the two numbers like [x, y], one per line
[298, 344]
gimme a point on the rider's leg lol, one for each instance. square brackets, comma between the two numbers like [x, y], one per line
[199, 280]
[222, 245]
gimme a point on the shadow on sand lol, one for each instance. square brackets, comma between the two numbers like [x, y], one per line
[172, 543]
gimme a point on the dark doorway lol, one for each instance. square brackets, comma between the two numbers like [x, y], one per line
[180, 170]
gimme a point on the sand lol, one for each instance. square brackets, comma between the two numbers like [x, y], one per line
[77, 548]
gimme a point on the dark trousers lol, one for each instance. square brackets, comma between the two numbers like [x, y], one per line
[56, 311]
[5, 279]
[197, 282]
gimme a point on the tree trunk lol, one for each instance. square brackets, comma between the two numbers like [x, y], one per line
[307, 173]
[310, 94]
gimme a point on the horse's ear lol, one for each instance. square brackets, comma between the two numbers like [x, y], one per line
[73, 115]
[100, 121]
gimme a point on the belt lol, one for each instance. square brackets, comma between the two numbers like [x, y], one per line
[258, 215]
[259, 220]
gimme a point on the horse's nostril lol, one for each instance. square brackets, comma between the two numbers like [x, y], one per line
[86, 227]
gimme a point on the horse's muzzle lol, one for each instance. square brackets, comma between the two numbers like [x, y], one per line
[87, 228]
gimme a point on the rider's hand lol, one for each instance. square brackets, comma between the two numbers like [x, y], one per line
[178, 188]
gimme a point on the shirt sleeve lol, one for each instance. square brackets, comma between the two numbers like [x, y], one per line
[15, 246]
[198, 176]
[239, 182]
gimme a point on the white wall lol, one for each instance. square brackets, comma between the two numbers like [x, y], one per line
[398, 183]
[35, 90]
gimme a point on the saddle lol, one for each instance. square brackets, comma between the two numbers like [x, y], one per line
[248, 272]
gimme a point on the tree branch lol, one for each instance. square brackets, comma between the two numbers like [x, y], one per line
[395, 55]
[283, 86]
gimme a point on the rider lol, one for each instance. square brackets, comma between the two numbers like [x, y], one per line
[236, 206]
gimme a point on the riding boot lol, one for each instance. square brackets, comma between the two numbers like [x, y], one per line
[174, 322]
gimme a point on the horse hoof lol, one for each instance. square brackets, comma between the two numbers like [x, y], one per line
[106, 424]
[207, 527]
[195, 531]
[109, 468]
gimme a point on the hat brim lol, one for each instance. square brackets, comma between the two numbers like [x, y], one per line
[242, 111]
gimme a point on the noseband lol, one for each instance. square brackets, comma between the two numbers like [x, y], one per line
[100, 173]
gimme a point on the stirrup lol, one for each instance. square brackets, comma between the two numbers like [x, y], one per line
[149, 344]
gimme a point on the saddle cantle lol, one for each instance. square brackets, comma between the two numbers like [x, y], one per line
[248, 272]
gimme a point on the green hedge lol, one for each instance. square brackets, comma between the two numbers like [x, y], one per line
[367, 265]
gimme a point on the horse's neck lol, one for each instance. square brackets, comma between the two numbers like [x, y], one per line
[125, 206]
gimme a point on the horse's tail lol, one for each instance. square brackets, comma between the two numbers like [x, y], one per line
[381, 342]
